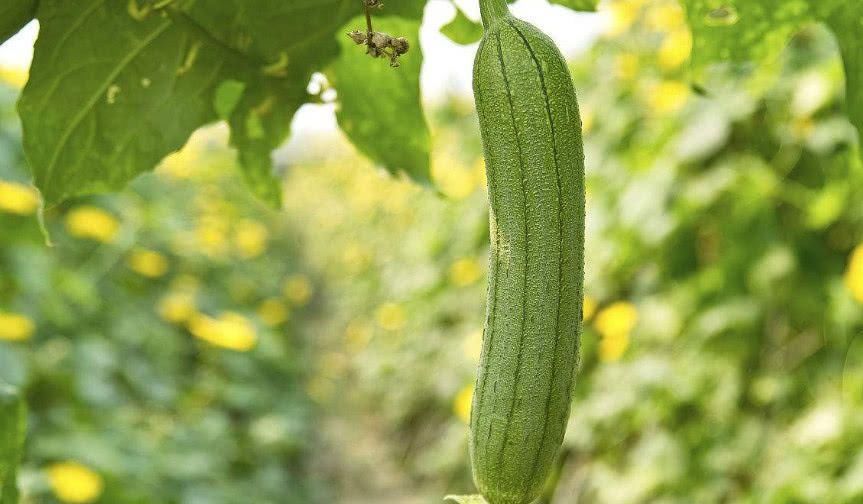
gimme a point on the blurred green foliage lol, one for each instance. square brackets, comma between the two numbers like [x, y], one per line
[180, 357]
[128, 339]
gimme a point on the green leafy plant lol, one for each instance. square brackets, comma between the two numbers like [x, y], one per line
[719, 391]
[166, 68]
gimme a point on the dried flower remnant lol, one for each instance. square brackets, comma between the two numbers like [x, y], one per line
[382, 45]
[379, 44]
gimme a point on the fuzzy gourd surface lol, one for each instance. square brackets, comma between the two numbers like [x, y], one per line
[531, 134]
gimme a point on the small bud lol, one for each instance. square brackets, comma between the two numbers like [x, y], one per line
[400, 45]
[358, 37]
[381, 40]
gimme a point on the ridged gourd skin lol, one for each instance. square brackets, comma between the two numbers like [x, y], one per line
[531, 132]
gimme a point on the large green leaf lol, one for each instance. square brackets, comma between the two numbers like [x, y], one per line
[579, 5]
[12, 425]
[14, 14]
[114, 87]
[290, 42]
[287, 41]
[379, 107]
[462, 29]
[756, 31]
[110, 95]
[107, 98]
[742, 31]
[112, 91]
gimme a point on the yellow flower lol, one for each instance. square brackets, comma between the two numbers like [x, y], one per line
[273, 312]
[298, 290]
[613, 347]
[452, 178]
[617, 318]
[15, 327]
[398, 200]
[230, 330]
[391, 316]
[666, 16]
[181, 164]
[588, 308]
[626, 66]
[622, 15]
[356, 257]
[588, 119]
[357, 335]
[479, 173]
[211, 236]
[464, 272]
[614, 325]
[667, 97]
[17, 198]
[75, 483]
[93, 223]
[854, 274]
[148, 263]
[675, 49]
[177, 307]
[251, 239]
[461, 405]
[472, 345]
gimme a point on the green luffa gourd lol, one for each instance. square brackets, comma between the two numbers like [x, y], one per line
[531, 134]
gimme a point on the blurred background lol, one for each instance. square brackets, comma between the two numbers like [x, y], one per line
[182, 343]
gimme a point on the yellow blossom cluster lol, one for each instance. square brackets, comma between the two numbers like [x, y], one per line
[462, 403]
[614, 324]
[18, 198]
[15, 327]
[74, 482]
[230, 330]
[91, 222]
[391, 316]
[465, 271]
[854, 274]
[148, 263]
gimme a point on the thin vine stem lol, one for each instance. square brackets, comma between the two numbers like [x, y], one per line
[369, 29]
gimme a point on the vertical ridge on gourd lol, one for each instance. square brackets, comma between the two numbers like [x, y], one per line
[531, 134]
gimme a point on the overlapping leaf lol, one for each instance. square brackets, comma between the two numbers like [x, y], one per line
[14, 14]
[110, 95]
[287, 41]
[742, 31]
[755, 32]
[579, 5]
[462, 30]
[379, 107]
[116, 86]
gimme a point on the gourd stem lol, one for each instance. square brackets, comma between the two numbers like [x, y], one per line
[492, 10]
